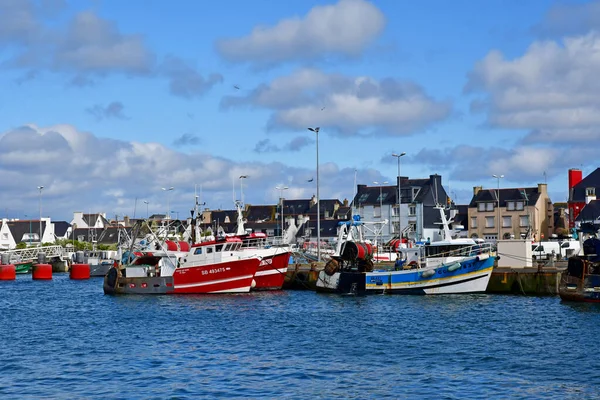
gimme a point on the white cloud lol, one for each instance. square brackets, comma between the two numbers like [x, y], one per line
[83, 172]
[345, 28]
[87, 48]
[552, 87]
[349, 105]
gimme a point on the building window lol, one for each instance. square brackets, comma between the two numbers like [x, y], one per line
[415, 191]
[412, 210]
[376, 212]
[510, 205]
[489, 222]
[395, 211]
[507, 222]
[489, 206]
[326, 214]
[473, 222]
[481, 207]
[363, 197]
[590, 191]
[519, 206]
[524, 220]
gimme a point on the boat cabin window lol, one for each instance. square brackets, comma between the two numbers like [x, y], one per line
[209, 250]
[227, 247]
[198, 250]
[218, 247]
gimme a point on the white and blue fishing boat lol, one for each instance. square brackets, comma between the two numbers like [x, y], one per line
[449, 266]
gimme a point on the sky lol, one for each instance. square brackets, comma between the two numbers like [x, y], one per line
[107, 102]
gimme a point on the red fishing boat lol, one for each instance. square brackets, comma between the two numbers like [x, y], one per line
[274, 258]
[216, 266]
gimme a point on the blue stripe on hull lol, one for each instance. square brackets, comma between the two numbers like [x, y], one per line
[413, 281]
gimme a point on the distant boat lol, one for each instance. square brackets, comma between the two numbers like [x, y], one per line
[444, 267]
[581, 280]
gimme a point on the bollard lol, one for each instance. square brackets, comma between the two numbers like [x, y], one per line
[5, 258]
[8, 272]
[80, 271]
[42, 272]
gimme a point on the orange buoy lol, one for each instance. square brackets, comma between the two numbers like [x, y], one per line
[42, 271]
[8, 272]
[80, 271]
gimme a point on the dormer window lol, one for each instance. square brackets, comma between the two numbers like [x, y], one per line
[591, 191]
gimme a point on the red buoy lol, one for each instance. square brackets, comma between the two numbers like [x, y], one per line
[8, 272]
[42, 271]
[80, 271]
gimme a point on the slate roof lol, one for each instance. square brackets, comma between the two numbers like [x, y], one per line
[21, 227]
[590, 212]
[324, 205]
[220, 216]
[512, 194]
[592, 180]
[61, 228]
[90, 219]
[296, 207]
[343, 213]
[369, 195]
[260, 213]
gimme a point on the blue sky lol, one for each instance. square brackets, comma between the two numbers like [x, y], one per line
[106, 102]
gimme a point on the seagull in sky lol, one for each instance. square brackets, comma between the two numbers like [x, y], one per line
[322, 108]
[236, 87]
[310, 180]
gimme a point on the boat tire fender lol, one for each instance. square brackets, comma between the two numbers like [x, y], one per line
[111, 277]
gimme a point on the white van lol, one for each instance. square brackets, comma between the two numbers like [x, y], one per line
[560, 250]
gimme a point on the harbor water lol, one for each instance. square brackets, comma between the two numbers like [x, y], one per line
[65, 339]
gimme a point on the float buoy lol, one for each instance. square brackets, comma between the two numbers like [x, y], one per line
[80, 271]
[428, 273]
[454, 267]
[8, 272]
[42, 271]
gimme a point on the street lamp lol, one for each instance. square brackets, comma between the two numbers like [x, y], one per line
[146, 202]
[398, 156]
[316, 131]
[176, 214]
[281, 189]
[168, 208]
[498, 177]
[40, 189]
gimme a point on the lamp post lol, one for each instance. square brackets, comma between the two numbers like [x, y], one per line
[146, 202]
[380, 201]
[281, 189]
[398, 156]
[498, 177]
[316, 131]
[40, 189]
[168, 208]
[176, 214]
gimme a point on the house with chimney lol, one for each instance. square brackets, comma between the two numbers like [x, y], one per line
[582, 191]
[511, 213]
[415, 217]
